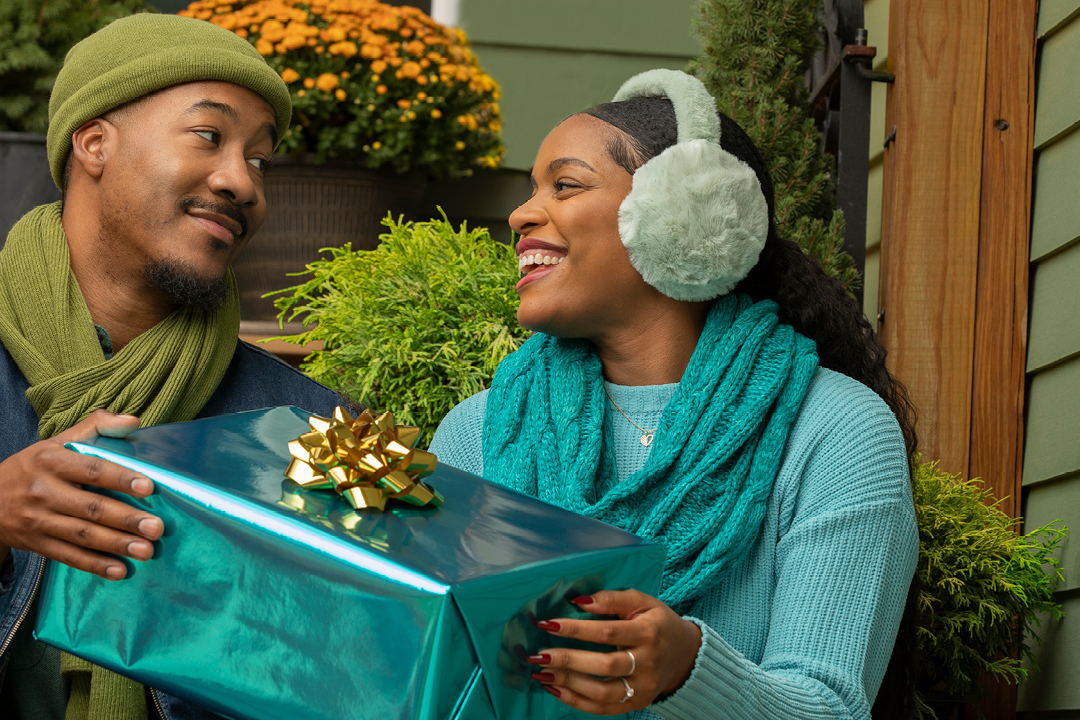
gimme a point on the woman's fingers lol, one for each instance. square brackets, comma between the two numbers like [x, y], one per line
[665, 647]
[624, 603]
[611, 664]
[598, 697]
[620, 633]
[608, 690]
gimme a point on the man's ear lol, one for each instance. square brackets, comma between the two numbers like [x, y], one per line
[92, 144]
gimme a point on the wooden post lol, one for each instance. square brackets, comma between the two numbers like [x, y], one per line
[997, 428]
[956, 234]
[997, 408]
[930, 222]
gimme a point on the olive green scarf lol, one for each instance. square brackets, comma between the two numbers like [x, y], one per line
[165, 375]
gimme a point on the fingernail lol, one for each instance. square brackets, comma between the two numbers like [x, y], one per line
[149, 526]
[138, 548]
[584, 600]
[115, 572]
[142, 486]
[125, 415]
[553, 690]
[539, 659]
[548, 625]
[544, 677]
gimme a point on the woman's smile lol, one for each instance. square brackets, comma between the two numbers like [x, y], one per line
[537, 258]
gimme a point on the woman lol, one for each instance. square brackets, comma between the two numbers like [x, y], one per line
[666, 392]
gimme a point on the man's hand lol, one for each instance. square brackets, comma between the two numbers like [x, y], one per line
[44, 508]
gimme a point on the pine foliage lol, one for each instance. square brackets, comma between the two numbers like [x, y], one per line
[416, 325]
[984, 585]
[753, 58]
[35, 36]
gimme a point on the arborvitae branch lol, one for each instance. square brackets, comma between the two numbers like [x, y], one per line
[753, 60]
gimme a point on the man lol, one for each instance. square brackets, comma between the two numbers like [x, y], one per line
[118, 303]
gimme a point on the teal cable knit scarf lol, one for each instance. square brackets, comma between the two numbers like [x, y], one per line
[702, 492]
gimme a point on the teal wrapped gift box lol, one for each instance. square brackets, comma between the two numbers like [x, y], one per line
[268, 601]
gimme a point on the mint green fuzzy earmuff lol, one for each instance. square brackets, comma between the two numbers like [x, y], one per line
[695, 220]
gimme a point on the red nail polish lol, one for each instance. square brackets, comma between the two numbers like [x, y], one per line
[553, 690]
[544, 659]
[585, 600]
[548, 625]
[544, 677]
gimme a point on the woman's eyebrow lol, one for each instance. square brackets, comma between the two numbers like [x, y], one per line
[558, 163]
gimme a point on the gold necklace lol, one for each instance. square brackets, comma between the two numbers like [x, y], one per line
[648, 436]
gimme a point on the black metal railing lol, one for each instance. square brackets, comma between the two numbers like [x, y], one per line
[839, 79]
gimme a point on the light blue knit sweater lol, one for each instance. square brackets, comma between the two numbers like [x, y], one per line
[805, 626]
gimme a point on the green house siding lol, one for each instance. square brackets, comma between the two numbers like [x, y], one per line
[552, 59]
[876, 19]
[1052, 439]
[1055, 291]
[1057, 104]
[1055, 212]
[556, 57]
[542, 86]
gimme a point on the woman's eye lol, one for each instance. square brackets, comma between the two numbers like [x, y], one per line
[561, 185]
[212, 135]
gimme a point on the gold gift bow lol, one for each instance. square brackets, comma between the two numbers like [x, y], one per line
[367, 459]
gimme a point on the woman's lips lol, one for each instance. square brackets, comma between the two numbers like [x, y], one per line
[536, 273]
[537, 258]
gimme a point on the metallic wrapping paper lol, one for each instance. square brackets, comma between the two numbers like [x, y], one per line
[265, 600]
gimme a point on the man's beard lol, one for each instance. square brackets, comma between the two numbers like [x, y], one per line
[187, 288]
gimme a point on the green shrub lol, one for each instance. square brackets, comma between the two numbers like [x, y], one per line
[35, 35]
[753, 56]
[414, 326]
[984, 585]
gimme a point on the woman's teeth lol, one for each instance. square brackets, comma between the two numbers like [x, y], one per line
[536, 259]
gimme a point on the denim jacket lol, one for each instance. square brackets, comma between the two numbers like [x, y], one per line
[255, 379]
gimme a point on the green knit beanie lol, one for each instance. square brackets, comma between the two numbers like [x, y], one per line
[136, 55]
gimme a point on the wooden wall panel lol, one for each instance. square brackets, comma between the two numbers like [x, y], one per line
[931, 213]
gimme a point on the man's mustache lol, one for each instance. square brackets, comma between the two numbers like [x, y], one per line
[226, 209]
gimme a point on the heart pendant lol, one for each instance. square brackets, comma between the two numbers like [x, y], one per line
[647, 439]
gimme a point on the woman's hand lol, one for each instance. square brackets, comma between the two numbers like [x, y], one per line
[664, 647]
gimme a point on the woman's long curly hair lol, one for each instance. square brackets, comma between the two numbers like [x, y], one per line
[813, 303]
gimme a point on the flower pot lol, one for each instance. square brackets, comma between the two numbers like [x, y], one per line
[945, 706]
[25, 180]
[311, 207]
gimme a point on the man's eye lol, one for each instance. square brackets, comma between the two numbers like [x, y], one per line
[212, 135]
[260, 164]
